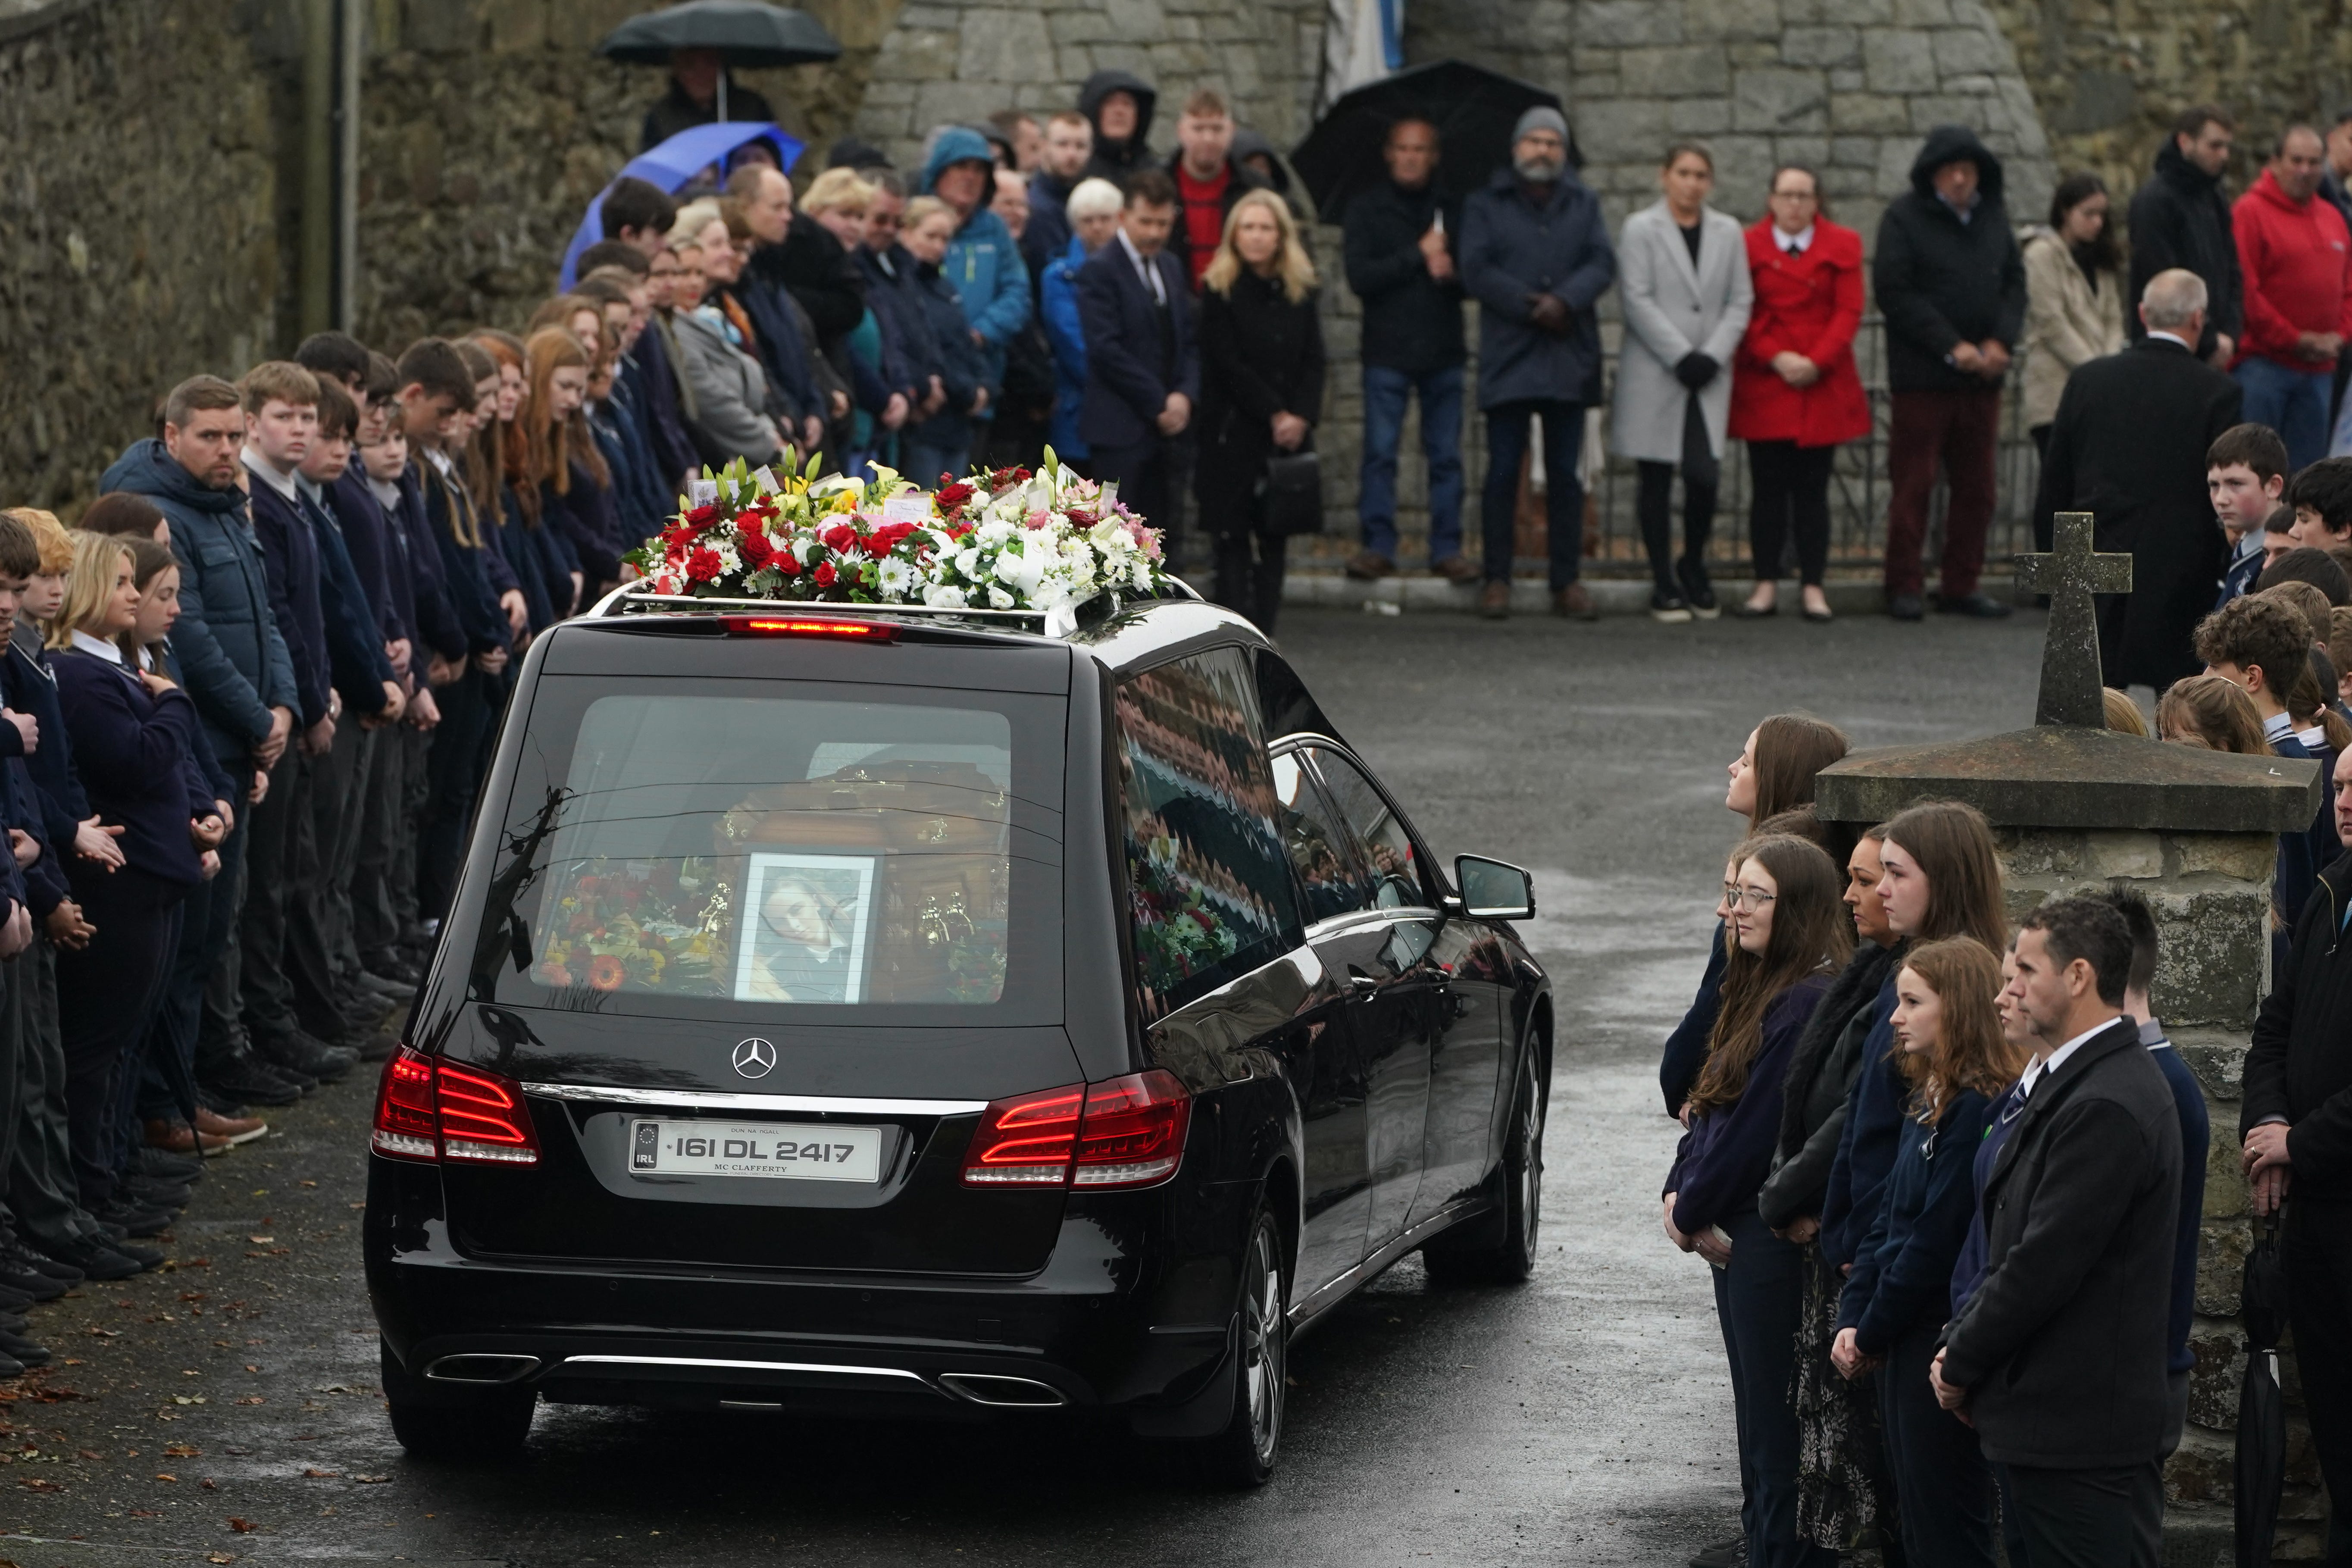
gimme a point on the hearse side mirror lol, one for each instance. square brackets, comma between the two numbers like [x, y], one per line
[1493, 889]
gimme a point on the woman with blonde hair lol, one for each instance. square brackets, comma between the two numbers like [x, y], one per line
[1892, 1313]
[1261, 393]
[1791, 933]
[134, 736]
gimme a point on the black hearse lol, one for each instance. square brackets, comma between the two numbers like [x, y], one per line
[915, 1014]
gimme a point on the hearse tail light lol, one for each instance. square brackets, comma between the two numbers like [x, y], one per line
[1025, 1141]
[808, 627]
[1123, 1132]
[1133, 1132]
[429, 1109]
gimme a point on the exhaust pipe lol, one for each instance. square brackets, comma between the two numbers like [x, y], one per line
[481, 1367]
[1001, 1393]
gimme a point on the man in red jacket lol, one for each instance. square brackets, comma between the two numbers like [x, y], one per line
[2296, 255]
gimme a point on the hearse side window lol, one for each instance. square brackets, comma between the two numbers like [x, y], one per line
[766, 849]
[1209, 882]
[1382, 838]
[1329, 879]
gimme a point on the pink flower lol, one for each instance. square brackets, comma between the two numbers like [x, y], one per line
[1039, 517]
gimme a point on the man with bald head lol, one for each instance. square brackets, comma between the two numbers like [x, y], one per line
[2296, 254]
[2128, 445]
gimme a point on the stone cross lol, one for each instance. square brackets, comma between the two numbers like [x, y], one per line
[2069, 574]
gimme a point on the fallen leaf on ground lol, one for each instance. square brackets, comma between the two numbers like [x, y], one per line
[371, 1480]
[320, 1475]
[242, 1526]
[164, 1476]
[181, 1451]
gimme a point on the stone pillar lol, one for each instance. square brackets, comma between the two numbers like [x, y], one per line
[2074, 810]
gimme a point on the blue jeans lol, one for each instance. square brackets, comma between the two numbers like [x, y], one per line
[1386, 392]
[2292, 402]
[1507, 448]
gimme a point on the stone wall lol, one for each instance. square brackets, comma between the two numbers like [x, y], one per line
[2108, 75]
[2211, 893]
[134, 258]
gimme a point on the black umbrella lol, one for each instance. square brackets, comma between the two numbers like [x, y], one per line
[2261, 1470]
[746, 32]
[1473, 107]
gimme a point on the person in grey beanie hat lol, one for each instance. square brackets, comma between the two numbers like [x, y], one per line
[1536, 254]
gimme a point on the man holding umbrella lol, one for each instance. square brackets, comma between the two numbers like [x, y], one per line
[1536, 254]
[1400, 253]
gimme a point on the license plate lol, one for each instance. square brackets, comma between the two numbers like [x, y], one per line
[804, 1152]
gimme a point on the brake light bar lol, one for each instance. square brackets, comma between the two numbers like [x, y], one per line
[429, 1109]
[808, 627]
[1124, 1132]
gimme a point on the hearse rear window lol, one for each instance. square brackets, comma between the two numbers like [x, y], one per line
[788, 844]
[1208, 878]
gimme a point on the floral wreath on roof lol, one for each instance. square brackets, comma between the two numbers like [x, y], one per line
[1004, 539]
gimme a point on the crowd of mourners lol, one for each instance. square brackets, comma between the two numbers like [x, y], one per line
[1950, 1172]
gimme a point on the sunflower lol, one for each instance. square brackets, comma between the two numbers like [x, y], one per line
[604, 973]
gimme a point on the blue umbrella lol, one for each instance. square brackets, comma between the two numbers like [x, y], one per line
[671, 166]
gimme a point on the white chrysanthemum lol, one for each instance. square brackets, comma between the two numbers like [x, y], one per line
[1138, 572]
[995, 530]
[1109, 537]
[897, 576]
[945, 596]
[998, 598]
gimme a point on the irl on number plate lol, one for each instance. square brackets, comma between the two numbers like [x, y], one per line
[806, 1152]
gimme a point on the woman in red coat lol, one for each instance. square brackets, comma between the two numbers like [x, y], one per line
[1795, 394]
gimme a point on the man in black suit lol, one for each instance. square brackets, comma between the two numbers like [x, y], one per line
[2059, 1358]
[1143, 370]
[2297, 1127]
[2128, 444]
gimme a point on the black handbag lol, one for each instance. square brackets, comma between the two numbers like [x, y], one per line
[1290, 493]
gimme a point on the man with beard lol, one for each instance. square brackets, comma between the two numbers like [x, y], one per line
[1536, 256]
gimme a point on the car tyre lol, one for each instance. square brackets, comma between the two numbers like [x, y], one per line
[485, 1427]
[1242, 1456]
[1509, 1257]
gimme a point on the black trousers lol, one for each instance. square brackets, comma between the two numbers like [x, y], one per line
[44, 1198]
[1250, 568]
[1942, 1481]
[281, 872]
[1653, 505]
[2090, 1518]
[1147, 473]
[105, 993]
[1758, 1300]
[453, 771]
[1791, 487]
[2319, 1307]
[1508, 436]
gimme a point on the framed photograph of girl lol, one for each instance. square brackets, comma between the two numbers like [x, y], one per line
[808, 920]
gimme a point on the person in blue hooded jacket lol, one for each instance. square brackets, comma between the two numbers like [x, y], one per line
[1891, 1312]
[982, 262]
[1093, 211]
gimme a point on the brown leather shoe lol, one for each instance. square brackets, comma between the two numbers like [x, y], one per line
[233, 1130]
[1371, 566]
[1574, 603]
[1495, 601]
[1454, 569]
[176, 1138]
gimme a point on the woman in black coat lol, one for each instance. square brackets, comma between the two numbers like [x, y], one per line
[1261, 393]
[134, 734]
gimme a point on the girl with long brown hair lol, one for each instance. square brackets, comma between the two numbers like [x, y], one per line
[1938, 877]
[1772, 775]
[575, 488]
[512, 564]
[1892, 1313]
[1791, 933]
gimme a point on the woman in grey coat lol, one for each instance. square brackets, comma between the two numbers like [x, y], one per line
[1683, 271]
[726, 393]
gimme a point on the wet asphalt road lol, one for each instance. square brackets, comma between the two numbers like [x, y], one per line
[226, 1409]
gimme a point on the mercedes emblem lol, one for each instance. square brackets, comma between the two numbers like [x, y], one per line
[755, 1057]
